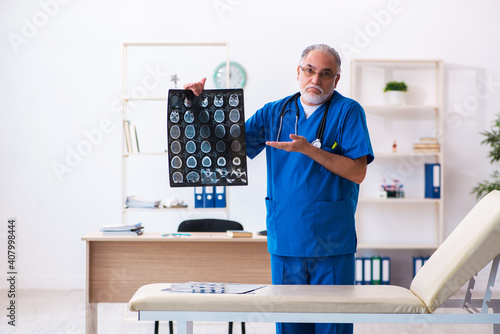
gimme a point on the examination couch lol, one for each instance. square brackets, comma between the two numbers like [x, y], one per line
[473, 244]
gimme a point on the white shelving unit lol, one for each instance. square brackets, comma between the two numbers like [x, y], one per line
[413, 222]
[147, 71]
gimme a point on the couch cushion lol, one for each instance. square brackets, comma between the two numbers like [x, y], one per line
[468, 249]
[284, 298]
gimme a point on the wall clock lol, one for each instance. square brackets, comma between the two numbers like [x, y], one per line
[237, 76]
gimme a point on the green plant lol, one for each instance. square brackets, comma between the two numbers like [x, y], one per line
[395, 85]
[493, 140]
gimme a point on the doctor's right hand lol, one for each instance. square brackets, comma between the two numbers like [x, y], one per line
[196, 87]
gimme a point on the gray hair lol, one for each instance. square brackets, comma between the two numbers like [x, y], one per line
[322, 48]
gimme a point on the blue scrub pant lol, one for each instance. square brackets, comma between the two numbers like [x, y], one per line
[329, 270]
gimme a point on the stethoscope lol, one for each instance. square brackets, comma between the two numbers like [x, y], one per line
[321, 129]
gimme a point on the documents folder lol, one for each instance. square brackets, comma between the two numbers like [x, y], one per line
[220, 197]
[433, 180]
[199, 197]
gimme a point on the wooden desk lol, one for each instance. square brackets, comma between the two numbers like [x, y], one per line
[118, 265]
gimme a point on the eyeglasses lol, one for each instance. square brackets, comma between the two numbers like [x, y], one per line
[326, 75]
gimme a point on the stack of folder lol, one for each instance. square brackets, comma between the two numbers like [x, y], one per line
[373, 270]
[133, 229]
[135, 202]
[210, 197]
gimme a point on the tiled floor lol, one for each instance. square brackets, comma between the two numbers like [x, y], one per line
[63, 312]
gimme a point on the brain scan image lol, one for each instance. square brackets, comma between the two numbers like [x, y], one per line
[193, 177]
[177, 177]
[235, 130]
[175, 116]
[220, 146]
[175, 132]
[206, 138]
[189, 117]
[220, 131]
[234, 115]
[190, 147]
[233, 100]
[219, 116]
[190, 132]
[205, 131]
[204, 101]
[218, 100]
[175, 147]
[191, 162]
[204, 116]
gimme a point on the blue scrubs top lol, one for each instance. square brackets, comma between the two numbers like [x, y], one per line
[310, 211]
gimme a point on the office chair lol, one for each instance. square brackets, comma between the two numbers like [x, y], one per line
[207, 225]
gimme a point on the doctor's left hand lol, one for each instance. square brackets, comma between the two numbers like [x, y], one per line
[298, 144]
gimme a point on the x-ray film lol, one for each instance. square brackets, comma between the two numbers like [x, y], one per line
[206, 138]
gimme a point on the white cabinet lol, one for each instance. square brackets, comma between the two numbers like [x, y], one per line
[149, 70]
[412, 222]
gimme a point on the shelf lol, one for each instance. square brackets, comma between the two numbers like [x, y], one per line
[173, 209]
[145, 154]
[145, 168]
[397, 246]
[404, 154]
[400, 112]
[407, 64]
[162, 99]
[399, 200]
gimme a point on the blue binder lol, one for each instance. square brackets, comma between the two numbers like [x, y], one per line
[433, 180]
[199, 197]
[220, 197]
[209, 197]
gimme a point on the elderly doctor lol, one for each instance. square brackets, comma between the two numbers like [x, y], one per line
[317, 149]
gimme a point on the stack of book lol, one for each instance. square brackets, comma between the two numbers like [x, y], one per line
[133, 229]
[426, 145]
[135, 202]
[131, 140]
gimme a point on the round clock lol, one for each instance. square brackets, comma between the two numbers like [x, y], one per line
[237, 76]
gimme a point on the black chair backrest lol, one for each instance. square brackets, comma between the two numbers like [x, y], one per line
[208, 225]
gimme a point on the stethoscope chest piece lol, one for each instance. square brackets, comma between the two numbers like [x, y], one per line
[316, 143]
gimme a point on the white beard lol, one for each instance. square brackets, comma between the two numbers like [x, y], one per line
[315, 99]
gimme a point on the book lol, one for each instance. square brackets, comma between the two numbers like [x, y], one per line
[131, 229]
[239, 234]
[138, 232]
[134, 139]
[126, 132]
[427, 145]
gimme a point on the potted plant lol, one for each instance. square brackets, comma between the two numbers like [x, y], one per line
[396, 90]
[493, 140]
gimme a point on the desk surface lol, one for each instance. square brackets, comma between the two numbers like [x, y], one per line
[194, 237]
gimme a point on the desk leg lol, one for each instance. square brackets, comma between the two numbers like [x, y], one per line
[91, 318]
[90, 308]
[184, 327]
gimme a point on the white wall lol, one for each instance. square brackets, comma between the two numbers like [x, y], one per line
[60, 76]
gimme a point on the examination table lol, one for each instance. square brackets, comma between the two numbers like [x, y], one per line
[473, 244]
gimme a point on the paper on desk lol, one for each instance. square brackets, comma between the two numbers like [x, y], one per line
[213, 287]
